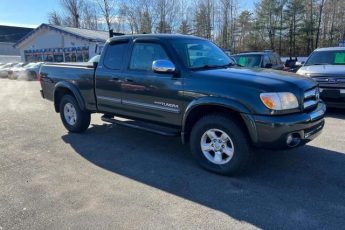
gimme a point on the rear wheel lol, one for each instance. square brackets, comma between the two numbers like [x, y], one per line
[220, 145]
[74, 119]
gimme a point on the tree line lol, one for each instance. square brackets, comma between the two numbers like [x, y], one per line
[290, 27]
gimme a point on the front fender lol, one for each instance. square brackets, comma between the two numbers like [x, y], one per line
[209, 101]
[64, 85]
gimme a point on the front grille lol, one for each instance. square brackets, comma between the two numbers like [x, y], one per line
[330, 80]
[311, 98]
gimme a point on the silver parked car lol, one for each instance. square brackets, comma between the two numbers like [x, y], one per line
[28, 72]
[13, 69]
[5, 68]
[327, 67]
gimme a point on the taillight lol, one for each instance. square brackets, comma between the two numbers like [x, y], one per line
[40, 77]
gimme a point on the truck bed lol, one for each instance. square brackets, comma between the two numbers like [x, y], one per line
[72, 64]
[80, 75]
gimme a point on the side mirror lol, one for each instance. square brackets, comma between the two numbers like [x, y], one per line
[163, 66]
[95, 64]
[268, 65]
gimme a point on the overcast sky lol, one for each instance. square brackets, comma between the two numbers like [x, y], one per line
[31, 13]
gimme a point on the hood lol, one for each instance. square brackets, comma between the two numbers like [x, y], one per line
[322, 69]
[266, 80]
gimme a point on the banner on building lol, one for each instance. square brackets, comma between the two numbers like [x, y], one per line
[70, 54]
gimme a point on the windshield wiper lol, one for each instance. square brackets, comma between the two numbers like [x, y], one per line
[206, 67]
[215, 66]
[231, 64]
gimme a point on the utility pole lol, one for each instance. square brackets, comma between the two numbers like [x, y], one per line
[319, 24]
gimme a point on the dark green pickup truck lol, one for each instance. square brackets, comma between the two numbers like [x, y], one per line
[186, 86]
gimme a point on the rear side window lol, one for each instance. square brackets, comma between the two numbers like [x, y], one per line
[266, 60]
[248, 60]
[279, 60]
[114, 55]
[144, 54]
[339, 58]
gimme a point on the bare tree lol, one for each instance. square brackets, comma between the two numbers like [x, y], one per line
[107, 9]
[203, 18]
[166, 12]
[139, 15]
[225, 21]
[146, 23]
[90, 17]
[54, 18]
[73, 9]
[319, 23]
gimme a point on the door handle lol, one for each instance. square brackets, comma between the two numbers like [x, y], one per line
[114, 79]
[129, 80]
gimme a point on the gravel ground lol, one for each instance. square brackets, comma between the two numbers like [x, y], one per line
[119, 178]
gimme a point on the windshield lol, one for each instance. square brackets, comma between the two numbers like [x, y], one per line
[248, 60]
[196, 53]
[335, 57]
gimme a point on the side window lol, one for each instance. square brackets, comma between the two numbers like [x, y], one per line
[339, 58]
[279, 60]
[144, 54]
[266, 60]
[273, 59]
[114, 55]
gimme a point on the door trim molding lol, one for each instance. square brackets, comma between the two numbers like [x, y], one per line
[111, 99]
[139, 104]
[150, 106]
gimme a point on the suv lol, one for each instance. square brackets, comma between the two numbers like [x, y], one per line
[265, 59]
[327, 67]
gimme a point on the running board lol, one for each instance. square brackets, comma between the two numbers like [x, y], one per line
[149, 127]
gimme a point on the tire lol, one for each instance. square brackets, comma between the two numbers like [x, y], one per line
[229, 155]
[73, 118]
[32, 76]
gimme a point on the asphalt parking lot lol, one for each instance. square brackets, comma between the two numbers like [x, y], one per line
[119, 178]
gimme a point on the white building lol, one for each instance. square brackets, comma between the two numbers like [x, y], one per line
[50, 43]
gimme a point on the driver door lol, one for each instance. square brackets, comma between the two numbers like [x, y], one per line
[148, 95]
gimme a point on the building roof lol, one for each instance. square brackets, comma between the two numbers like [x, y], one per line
[330, 49]
[13, 34]
[86, 34]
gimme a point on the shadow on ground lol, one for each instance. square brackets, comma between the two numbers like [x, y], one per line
[301, 188]
[336, 113]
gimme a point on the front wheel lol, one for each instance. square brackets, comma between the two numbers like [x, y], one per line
[220, 145]
[74, 119]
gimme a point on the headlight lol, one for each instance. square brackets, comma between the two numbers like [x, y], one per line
[279, 101]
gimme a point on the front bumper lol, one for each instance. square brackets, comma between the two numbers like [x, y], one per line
[333, 97]
[273, 131]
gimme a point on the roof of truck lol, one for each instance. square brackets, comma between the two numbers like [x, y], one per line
[330, 48]
[153, 36]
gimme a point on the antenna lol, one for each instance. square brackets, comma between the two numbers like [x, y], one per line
[112, 34]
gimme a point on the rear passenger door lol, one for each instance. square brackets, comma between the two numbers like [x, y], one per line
[109, 76]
